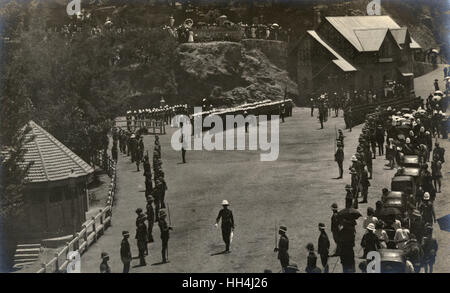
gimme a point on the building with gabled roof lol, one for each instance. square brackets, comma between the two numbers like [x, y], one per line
[354, 53]
[56, 187]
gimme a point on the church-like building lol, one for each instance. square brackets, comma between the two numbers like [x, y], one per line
[354, 53]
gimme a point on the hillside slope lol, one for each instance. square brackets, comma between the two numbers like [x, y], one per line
[228, 74]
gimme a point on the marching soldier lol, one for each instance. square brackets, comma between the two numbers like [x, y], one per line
[283, 247]
[125, 252]
[227, 223]
[164, 228]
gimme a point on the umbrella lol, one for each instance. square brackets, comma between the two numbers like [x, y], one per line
[447, 78]
[386, 212]
[439, 93]
[435, 51]
[349, 213]
[222, 16]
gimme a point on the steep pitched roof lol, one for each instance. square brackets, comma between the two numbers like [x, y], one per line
[400, 35]
[52, 160]
[339, 61]
[371, 39]
[349, 26]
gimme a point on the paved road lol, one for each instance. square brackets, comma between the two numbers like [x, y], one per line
[296, 190]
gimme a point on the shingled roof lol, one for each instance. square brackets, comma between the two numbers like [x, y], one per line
[339, 60]
[352, 27]
[51, 159]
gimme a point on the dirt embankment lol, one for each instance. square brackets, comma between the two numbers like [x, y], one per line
[228, 73]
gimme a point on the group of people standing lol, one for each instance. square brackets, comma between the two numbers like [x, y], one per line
[156, 210]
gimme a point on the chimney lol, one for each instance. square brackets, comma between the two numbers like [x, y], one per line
[317, 17]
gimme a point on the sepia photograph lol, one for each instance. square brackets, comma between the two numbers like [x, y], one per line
[224, 138]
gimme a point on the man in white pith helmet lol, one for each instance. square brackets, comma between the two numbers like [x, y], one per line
[227, 224]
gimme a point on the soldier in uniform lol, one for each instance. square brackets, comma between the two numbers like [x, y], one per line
[438, 153]
[323, 247]
[164, 228]
[150, 217]
[322, 113]
[183, 145]
[114, 151]
[148, 176]
[283, 247]
[349, 118]
[139, 150]
[141, 236]
[157, 146]
[365, 184]
[133, 147]
[340, 137]
[335, 227]
[355, 186]
[339, 158]
[125, 252]
[348, 196]
[282, 112]
[104, 266]
[227, 223]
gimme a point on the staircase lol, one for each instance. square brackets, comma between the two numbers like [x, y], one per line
[26, 254]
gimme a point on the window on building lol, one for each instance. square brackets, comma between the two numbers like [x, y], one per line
[370, 81]
[305, 83]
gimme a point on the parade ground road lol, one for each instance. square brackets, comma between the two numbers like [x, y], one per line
[296, 191]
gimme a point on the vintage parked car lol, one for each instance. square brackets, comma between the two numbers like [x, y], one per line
[396, 199]
[392, 260]
[403, 183]
[411, 161]
[410, 171]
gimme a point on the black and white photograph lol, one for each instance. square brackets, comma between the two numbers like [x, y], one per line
[224, 137]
